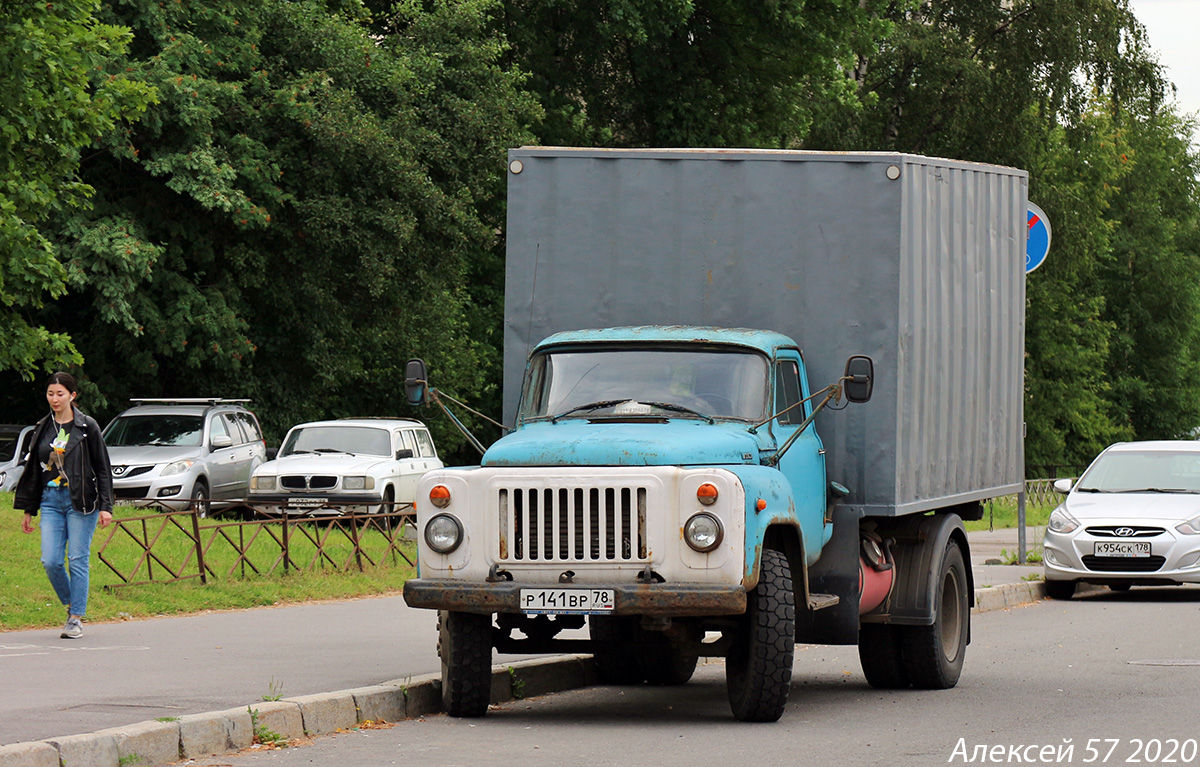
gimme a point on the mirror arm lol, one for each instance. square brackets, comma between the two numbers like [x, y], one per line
[436, 396]
[754, 427]
[835, 392]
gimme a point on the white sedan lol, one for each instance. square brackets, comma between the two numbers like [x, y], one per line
[1133, 518]
[349, 465]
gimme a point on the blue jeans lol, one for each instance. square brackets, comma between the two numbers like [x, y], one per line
[67, 533]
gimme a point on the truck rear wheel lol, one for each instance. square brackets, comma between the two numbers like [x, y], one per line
[933, 655]
[879, 652]
[758, 667]
[465, 646]
[616, 665]
[670, 659]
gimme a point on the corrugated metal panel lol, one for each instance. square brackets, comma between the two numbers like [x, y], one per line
[924, 272]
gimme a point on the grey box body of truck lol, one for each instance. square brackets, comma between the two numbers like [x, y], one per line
[915, 261]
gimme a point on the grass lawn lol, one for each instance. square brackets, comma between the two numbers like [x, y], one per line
[1002, 512]
[27, 601]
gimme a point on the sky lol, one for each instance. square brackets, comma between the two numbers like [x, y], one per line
[1172, 26]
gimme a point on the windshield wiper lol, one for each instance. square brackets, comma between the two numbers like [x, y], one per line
[588, 407]
[332, 450]
[678, 409]
[1156, 490]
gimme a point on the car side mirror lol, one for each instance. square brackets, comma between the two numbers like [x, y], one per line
[859, 379]
[223, 440]
[404, 453]
[1063, 486]
[416, 388]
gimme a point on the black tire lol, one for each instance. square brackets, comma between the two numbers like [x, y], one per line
[617, 665]
[465, 646]
[1063, 590]
[200, 499]
[1119, 587]
[933, 655]
[758, 667]
[881, 656]
[389, 502]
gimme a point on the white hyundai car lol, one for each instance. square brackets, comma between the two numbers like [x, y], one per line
[350, 465]
[1132, 519]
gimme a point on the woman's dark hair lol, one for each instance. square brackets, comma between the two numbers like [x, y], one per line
[65, 379]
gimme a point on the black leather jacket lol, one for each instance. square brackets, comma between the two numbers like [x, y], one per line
[89, 473]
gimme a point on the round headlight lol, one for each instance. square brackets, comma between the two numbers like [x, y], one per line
[443, 533]
[703, 532]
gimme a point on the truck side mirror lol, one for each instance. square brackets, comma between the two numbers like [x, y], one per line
[403, 453]
[416, 390]
[859, 379]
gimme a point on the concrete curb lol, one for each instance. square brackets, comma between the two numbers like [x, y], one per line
[147, 744]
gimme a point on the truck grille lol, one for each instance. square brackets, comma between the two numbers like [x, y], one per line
[573, 524]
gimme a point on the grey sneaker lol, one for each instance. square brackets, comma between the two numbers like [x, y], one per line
[73, 629]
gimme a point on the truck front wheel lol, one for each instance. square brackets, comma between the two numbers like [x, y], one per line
[465, 646]
[758, 667]
[933, 655]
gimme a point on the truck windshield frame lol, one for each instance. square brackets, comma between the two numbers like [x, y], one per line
[725, 382]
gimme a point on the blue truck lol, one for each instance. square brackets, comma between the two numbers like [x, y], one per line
[754, 395]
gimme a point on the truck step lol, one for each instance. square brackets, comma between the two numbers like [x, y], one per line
[821, 601]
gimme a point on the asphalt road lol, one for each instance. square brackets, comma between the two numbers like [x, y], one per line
[1124, 667]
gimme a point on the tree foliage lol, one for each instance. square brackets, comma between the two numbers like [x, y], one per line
[57, 94]
[297, 215]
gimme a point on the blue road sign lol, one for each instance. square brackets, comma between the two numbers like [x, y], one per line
[1038, 243]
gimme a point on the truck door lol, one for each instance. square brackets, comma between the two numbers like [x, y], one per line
[804, 462]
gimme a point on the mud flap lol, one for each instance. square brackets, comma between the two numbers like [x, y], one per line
[836, 572]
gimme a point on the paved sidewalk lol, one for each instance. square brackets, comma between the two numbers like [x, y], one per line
[173, 687]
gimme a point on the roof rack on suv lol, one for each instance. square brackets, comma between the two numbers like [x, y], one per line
[187, 401]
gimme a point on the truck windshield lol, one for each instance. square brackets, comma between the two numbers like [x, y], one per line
[608, 382]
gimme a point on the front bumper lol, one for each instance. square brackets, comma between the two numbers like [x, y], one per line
[308, 503]
[1070, 557]
[673, 599]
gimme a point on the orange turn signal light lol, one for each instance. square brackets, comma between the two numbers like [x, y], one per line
[707, 494]
[439, 495]
[760, 504]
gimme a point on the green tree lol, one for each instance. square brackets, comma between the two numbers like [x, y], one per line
[1152, 283]
[299, 213]
[687, 72]
[58, 93]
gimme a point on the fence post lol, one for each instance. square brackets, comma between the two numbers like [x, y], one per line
[287, 554]
[199, 545]
[1021, 524]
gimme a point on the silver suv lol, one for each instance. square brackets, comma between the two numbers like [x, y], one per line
[180, 453]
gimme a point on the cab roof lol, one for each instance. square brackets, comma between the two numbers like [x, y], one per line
[765, 341]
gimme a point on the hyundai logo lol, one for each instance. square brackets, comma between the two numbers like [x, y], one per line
[1124, 532]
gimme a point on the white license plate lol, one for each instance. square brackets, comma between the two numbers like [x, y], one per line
[306, 503]
[553, 601]
[1123, 548]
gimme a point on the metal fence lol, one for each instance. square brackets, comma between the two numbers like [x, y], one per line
[183, 545]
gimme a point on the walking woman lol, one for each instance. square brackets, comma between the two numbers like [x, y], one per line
[69, 479]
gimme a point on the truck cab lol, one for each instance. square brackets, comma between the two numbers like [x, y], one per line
[650, 473]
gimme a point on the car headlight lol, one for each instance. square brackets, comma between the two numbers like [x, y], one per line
[1191, 527]
[1062, 522]
[262, 482]
[3, 476]
[178, 467]
[443, 533]
[703, 532]
[358, 483]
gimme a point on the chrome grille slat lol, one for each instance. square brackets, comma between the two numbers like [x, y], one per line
[572, 524]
